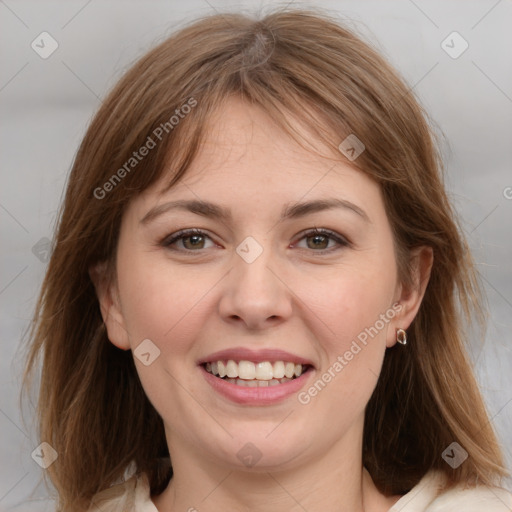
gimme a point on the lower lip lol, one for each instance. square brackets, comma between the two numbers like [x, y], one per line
[256, 396]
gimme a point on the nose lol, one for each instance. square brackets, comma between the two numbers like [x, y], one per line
[256, 294]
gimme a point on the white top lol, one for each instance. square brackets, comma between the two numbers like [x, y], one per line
[134, 496]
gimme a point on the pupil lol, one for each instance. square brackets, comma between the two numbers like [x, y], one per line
[194, 240]
[319, 238]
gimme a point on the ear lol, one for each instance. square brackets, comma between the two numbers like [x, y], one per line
[410, 296]
[108, 298]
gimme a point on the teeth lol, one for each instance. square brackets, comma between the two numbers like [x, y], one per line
[289, 370]
[257, 383]
[278, 370]
[246, 370]
[264, 371]
[247, 373]
[231, 369]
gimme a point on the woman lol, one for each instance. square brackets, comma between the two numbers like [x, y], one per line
[255, 297]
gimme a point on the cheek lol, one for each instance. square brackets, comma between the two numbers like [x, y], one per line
[161, 302]
[350, 300]
[164, 304]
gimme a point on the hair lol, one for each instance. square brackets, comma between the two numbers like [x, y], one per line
[92, 408]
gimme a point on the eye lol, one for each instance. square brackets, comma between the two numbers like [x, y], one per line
[323, 240]
[188, 240]
[319, 240]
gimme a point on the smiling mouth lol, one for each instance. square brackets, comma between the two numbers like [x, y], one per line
[260, 374]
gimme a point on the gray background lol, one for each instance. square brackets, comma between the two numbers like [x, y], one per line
[46, 105]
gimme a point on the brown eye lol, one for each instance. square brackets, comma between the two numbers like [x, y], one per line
[187, 240]
[193, 242]
[318, 241]
[321, 240]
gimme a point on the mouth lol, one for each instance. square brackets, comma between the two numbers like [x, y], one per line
[245, 373]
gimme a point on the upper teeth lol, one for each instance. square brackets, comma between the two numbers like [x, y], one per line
[264, 370]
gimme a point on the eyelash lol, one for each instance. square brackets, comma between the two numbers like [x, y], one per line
[180, 235]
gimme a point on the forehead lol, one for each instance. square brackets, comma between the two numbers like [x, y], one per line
[246, 157]
[241, 132]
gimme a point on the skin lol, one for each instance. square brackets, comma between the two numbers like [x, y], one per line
[292, 297]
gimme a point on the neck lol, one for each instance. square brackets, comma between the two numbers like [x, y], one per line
[334, 480]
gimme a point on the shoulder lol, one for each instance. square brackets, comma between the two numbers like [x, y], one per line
[132, 495]
[428, 496]
[474, 499]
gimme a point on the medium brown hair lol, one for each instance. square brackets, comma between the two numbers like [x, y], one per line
[92, 408]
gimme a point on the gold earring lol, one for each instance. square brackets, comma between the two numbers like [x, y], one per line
[401, 336]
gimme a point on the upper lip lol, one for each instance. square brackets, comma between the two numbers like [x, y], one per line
[257, 356]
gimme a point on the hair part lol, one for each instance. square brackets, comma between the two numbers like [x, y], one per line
[326, 77]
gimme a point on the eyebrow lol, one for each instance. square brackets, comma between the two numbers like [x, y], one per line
[290, 211]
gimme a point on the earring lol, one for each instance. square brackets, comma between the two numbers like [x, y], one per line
[401, 336]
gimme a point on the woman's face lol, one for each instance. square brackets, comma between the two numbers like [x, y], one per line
[258, 286]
